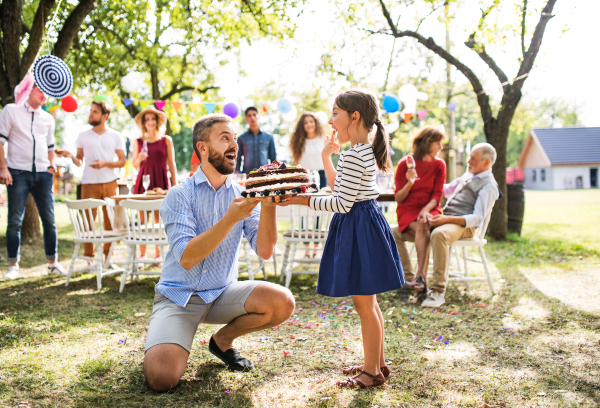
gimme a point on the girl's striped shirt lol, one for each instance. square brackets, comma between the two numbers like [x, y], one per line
[355, 181]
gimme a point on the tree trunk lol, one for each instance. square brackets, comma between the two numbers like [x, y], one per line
[31, 221]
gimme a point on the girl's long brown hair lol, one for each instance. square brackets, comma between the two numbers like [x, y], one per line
[367, 105]
[298, 138]
[423, 140]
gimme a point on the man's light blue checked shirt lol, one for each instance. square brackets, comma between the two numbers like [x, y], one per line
[189, 209]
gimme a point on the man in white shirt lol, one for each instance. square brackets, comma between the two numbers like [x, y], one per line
[471, 199]
[98, 145]
[28, 168]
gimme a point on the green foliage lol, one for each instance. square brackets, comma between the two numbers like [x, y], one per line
[182, 144]
[175, 45]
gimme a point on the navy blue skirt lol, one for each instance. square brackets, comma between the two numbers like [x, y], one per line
[360, 256]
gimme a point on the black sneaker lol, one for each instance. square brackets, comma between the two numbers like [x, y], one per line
[231, 357]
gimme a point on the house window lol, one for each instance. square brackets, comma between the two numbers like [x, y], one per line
[534, 178]
[543, 175]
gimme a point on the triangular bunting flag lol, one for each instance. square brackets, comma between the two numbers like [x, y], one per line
[421, 114]
[145, 104]
[160, 104]
[452, 106]
[194, 106]
[176, 105]
[127, 102]
[210, 107]
[407, 117]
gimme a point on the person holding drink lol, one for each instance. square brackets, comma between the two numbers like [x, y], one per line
[152, 153]
[99, 146]
[420, 180]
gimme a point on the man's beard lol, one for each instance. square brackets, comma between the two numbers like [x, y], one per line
[94, 122]
[218, 161]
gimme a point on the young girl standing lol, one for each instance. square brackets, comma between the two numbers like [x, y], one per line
[360, 257]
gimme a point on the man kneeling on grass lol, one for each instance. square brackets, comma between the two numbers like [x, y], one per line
[204, 218]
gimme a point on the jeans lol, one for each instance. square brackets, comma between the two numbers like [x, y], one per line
[322, 178]
[41, 187]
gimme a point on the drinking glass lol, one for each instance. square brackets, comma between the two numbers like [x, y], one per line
[145, 147]
[410, 162]
[316, 179]
[130, 182]
[146, 181]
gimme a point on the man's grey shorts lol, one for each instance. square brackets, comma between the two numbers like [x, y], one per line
[171, 323]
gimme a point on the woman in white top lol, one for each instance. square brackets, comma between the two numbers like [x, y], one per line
[306, 144]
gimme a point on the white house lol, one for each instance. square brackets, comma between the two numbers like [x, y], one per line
[561, 158]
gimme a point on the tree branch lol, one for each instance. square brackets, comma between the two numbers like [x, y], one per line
[523, 28]
[71, 27]
[36, 36]
[255, 15]
[480, 50]
[132, 51]
[423, 19]
[534, 46]
[11, 33]
[177, 90]
[482, 98]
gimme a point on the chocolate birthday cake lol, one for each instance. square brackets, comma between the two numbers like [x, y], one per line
[278, 179]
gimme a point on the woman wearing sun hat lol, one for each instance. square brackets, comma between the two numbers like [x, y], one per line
[154, 157]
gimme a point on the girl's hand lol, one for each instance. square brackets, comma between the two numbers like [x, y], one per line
[331, 146]
[291, 200]
[411, 176]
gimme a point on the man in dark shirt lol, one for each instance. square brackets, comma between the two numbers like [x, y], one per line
[256, 147]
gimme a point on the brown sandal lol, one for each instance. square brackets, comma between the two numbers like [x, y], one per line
[352, 382]
[353, 370]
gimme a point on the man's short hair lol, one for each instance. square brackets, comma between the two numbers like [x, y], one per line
[103, 106]
[202, 128]
[487, 151]
[251, 108]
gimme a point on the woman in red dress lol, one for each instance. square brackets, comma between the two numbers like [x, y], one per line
[151, 154]
[419, 191]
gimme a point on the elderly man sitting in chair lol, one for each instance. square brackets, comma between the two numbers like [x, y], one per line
[470, 200]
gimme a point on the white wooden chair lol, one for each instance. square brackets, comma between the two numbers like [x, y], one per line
[248, 253]
[307, 225]
[110, 210]
[141, 233]
[478, 241]
[456, 273]
[88, 230]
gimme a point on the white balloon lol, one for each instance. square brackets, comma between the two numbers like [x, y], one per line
[291, 115]
[408, 95]
[422, 96]
[330, 103]
[392, 127]
[323, 117]
[132, 81]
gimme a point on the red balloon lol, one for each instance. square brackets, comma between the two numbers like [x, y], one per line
[69, 103]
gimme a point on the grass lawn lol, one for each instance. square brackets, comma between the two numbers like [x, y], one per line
[536, 343]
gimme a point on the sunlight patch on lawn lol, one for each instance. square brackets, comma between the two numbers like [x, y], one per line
[577, 288]
[455, 352]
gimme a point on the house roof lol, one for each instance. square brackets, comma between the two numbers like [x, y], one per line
[570, 145]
